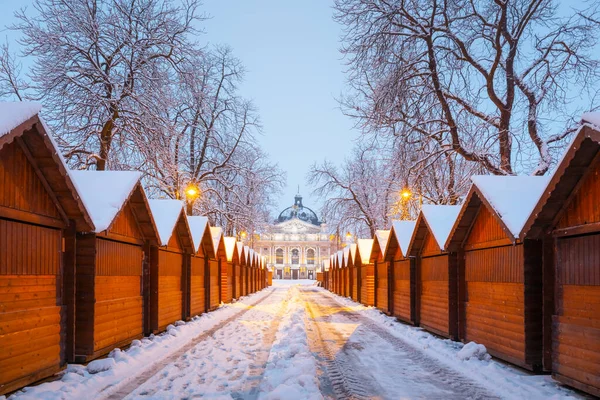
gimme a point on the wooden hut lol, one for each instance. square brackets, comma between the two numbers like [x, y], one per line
[568, 217]
[270, 278]
[228, 263]
[243, 251]
[500, 275]
[366, 272]
[436, 270]
[214, 271]
[382, 287]
[341, 282]
[169, 264]
[199, 271]
[402, 275]
[238, 283]
[40, 211]
[112, 277]
[346, 272]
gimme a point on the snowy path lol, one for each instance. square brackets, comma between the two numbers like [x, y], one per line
[362, 360]
[294, 342]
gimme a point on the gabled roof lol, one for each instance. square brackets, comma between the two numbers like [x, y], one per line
[365, 247]
[340, 259]
[105, 193]
[201, 234]
[346, 258]
[380, 242]
[216, 233]
[437, 219]
[326, 265]
[510, 199]
[230, 247]
[577, 162]
[20, 123]
[400, 236]
[165, 214]
[241, 252]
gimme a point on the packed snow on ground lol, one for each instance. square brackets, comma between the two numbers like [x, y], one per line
[440, 220]
[165, 214]
[104, 193]
[513, 197]
[13, 114]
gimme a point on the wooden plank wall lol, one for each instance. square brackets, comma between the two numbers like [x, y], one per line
[382, 286]
[355, 276]
[226, 281]
[576, 324]
[367, 284]
[197, 286]
[434, 294]
[170, 293]
[237, 281]
[401, 294]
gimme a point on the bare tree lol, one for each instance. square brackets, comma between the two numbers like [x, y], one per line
[476, 76]
[97, 64]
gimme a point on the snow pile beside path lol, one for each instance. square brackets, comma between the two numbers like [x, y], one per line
[291, 370]
[473, 350]
[101, 377]
[507, 381]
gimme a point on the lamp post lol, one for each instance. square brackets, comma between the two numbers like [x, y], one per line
[405, 196]
[192, 192]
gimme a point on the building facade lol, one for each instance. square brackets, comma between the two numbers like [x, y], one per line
[296, 244]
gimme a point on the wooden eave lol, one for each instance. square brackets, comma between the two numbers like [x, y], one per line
[376, 253]
[33, 139]
[468, 213]
[419, 235]
[577, 162]
[182, 230]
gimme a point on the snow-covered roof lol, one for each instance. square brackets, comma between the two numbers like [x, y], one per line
[404, 231]
[198, 225]
[440, 220]
[104, 193]
[353, 248]
[365, 247]
[216, 234]
[239, 246]
[340, 258]
[165, 214]
[247, 251]
[512, 197]
[13, 114]
[230, 247]
[592, 117]
[326, 265]
[346, 254]
[382, 238]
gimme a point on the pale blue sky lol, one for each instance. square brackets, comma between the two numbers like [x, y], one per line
[294, 74]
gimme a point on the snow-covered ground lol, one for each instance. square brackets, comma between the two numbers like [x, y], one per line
[296, 341]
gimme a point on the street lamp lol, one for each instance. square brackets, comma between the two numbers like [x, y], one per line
[406, 194]
[192, 192]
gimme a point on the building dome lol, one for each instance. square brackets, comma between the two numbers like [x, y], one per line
[299, 211]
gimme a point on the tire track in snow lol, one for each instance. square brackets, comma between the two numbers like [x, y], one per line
[133, 384]
[350, 378]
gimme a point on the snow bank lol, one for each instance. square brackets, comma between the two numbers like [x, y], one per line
[13, 114]
[440, 220]
[102, 365]
[165, 214]
[473, 350]
[291, 370]
[404, 232]
[104, 193]
[513, 197]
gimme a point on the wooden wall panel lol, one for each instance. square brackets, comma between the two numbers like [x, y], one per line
[125, 224]
[21, 187]
[401, 290]
[355, 277]
[118, 259]
[197, 289]
[367, 284]
[382, 286]
[579, 260]
[236, 281]
[486, 228]
[226, 282]
[583, 207]
[214, 290]
[29, 249]
[497, 264]
[170, 291]
[430, 246]
[434, 294]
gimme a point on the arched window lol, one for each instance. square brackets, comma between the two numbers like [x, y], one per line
[310, 257]
[279, 256]
[295, 256]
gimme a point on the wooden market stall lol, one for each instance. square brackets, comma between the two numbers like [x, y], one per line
[402, 273]
[270, 278]
[246, 271]
[346, 272]
[40, 211]
[228, 265]
[169, 264]
[382, 287]
[238, 282]
[113, 269]
[568, 217]
[339, 264]
[199, 274]
[354, 268]
[436, 270]
[214, 270]
[500, 275]
[366, 272]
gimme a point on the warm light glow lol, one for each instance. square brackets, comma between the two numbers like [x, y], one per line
[243, 234]
[192, 191]
[406, 194]
[348, 235]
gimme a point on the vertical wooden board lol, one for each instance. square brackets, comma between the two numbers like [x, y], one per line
[125, 224]
[197, 287]
[583, 208]
[486, 228]
[382, 286]
[497, 264]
